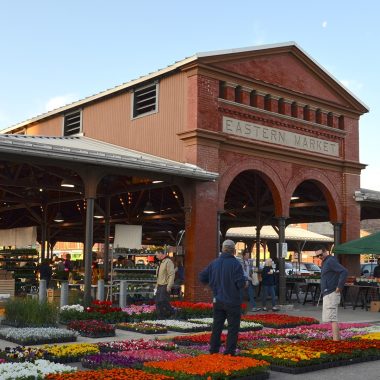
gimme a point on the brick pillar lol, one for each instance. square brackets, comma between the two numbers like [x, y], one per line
[230, 91]
[260, 99]
[271, 103]
[201, 238]
[351, 221]
[246, 95]
[287, 107]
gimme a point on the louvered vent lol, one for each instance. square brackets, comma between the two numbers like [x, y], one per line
[145, 100]
[72, 123]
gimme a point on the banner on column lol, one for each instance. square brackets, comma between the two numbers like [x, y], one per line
[128, 236]
[282, 250]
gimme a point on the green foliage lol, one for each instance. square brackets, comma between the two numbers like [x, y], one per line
[67, 316]
[27, 312]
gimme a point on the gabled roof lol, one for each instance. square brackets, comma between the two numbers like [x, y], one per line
[203, 56]
[81, 149]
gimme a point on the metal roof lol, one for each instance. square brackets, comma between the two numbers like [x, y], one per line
[91, 151]
[268, 232]
[174, 67]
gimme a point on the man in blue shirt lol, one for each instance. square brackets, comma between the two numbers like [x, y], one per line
[226, 278]
[333, 278]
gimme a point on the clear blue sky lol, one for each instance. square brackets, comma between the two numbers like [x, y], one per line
[54, 52]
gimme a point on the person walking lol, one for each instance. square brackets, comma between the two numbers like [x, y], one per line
[376, 271]
[165, 280]
[333, 278]
[268, 285]
[253, 282]
[225, 277]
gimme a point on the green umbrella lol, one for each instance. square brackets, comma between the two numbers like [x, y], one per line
[369, 245]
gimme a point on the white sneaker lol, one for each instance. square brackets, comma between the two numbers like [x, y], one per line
[264, 309]
[274, 308]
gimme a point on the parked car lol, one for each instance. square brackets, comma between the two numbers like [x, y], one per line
[288, 268]
[367, 269]
[306, 268]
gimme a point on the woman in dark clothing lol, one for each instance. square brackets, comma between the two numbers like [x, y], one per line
[268, 284]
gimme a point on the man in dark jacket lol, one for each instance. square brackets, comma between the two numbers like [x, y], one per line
[333, 278]
[226, 278]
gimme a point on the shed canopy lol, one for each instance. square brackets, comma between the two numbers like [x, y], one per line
[268, 232]
[366, 245]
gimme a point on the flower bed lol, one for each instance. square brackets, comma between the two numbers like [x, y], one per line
[208, 367]
[27, 370]
[109, 360]
[99, 310]
[143, 328]
[180, 326]
[21, 354]
[38, 335]
[244, 325]
[186, 310]
[279, 320]
[117, 373]
[305, 356]
[131, 358]
[92, 328]
[135, 344]
[69, 353]
[140, 312]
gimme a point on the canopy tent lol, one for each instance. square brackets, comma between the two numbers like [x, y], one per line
[366, 245]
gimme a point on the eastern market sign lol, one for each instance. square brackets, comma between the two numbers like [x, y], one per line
[278, 136]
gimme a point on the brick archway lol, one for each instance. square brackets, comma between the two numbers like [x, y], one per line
[324, 184]
[267, 173]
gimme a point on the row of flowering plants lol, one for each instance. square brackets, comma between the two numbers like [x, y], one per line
[136, 344]
[69, 353]
[142, 327]
[180, 326]
[210, 367]
[279, 320]
[138, 313]
[92, 328]
[305, 356]
[32, 371]
[37, 335]
[21, 354]
[188, 310]
[133, 358]
[244, 325]
[100, 310]
[107, 374]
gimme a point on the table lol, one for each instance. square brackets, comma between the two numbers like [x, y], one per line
[363, 297]
[314, 289]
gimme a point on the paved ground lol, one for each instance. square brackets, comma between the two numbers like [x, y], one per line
[364, 371]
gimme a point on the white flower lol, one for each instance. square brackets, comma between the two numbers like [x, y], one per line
[35, 333]
[79, 308]
[243, 324]
[37, 370]
[176, 324]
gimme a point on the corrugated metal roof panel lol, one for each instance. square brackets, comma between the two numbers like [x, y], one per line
[84, 149]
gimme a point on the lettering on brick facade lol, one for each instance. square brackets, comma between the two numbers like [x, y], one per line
[277, 136]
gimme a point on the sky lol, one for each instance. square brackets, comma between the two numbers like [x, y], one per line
[55, 52]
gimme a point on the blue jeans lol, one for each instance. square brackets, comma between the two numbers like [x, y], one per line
[221, 312]
[265, 290]
[251, 295]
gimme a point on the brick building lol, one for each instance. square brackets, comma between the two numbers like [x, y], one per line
[276, 136]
